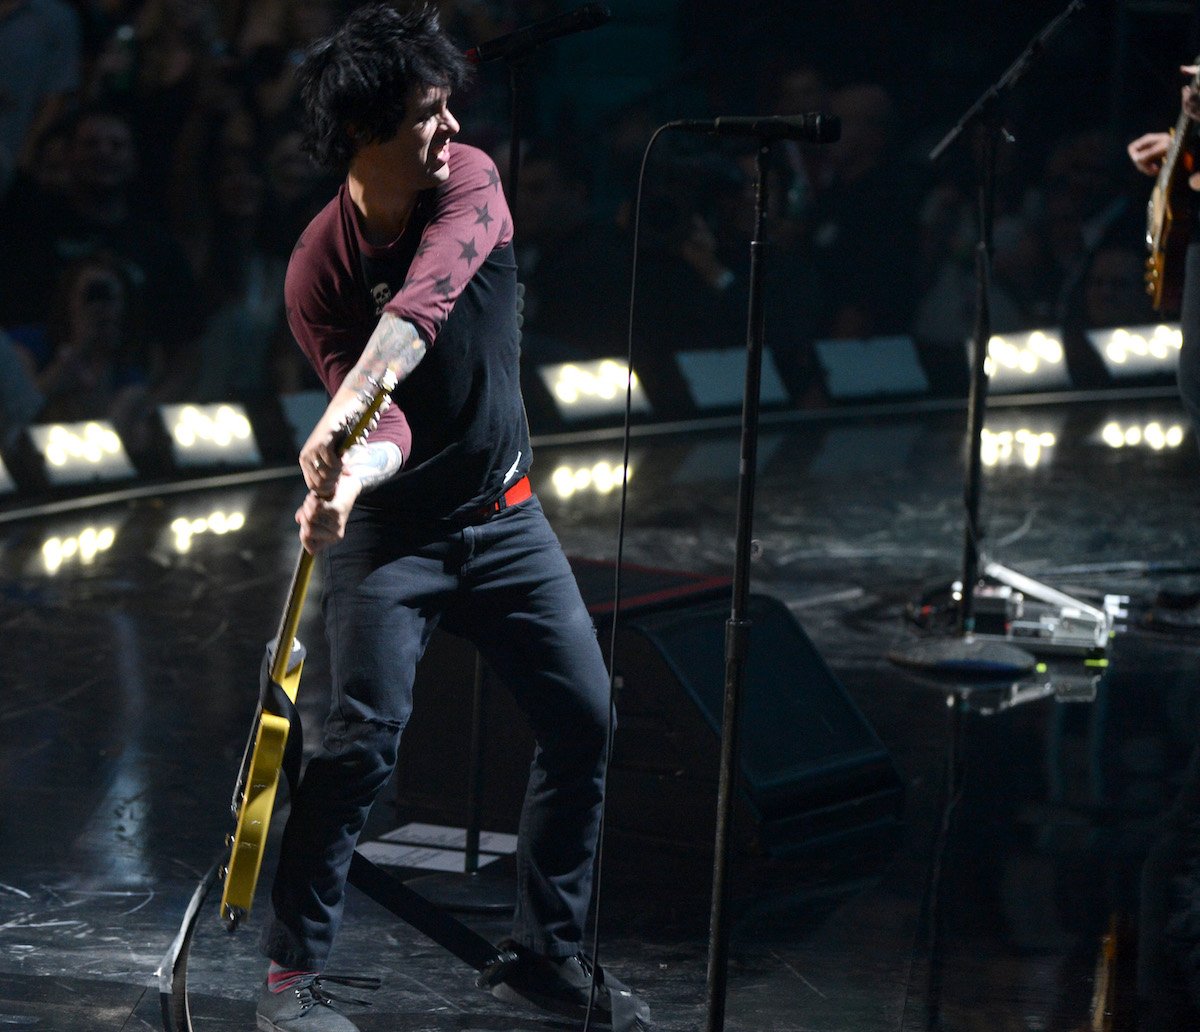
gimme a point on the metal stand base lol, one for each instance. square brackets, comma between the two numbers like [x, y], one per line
[964, 657]
[1017, 618]
[491, 890]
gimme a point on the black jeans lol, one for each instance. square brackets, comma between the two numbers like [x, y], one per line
[506, 585]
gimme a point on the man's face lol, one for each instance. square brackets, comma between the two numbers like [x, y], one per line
[419, 152]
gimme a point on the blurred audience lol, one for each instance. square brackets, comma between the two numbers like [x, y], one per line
[1114, 288]
[159, 137]
[101, 213]
[800, 89]
[862, 231]
[40, 49]
[296, 190]
[791, 285]
[688, 298]
[564, 257]
[47, 177]
[90, 370]
[241, 286]
[1109, 292]
[20, 400]
[270, 42]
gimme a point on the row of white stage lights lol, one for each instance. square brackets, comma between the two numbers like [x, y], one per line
[221, 435]
[92, 452]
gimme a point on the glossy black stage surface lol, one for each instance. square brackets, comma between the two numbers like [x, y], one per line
[133, 633]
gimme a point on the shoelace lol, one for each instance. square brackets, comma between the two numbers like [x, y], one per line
[312, 993]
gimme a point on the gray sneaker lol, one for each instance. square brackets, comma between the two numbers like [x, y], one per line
[562, 986]
[303, 1007]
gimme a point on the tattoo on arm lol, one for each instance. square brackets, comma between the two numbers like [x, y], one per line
[394, 345]
[373, 463]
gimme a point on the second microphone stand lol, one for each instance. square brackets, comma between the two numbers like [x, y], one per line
[737, 628]
[964, 653]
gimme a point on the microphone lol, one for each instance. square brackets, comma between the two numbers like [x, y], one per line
[813, 127]
[522, 41]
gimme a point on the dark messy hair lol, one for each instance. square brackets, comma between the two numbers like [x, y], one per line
[355, 82]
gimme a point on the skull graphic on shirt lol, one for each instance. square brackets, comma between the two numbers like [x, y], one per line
[382, 294]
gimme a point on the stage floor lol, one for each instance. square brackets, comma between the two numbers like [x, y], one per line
[133, 635]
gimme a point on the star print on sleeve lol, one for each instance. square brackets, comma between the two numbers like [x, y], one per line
[461, 231]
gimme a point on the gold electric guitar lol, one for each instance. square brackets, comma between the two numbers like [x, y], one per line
[264, 756]
[1169, 214]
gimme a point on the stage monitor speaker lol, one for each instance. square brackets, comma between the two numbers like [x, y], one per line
[811, 767]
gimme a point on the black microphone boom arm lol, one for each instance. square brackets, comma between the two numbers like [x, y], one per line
[517, 44]
[813, 127]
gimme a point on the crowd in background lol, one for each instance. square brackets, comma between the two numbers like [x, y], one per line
[154, 182]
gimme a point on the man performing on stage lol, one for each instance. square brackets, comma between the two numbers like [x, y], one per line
[1147, 153]
[410, 269]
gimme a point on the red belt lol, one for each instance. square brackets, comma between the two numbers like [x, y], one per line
[515, 495]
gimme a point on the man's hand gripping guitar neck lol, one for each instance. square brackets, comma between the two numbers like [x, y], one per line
[335, 481]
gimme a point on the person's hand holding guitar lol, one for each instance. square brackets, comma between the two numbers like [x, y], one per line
[1147, 151]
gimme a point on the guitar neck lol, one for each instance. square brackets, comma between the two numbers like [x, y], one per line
[289, 623]
[1181, 139]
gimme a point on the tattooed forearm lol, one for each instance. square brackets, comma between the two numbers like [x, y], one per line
[373, 463]
[395, 345]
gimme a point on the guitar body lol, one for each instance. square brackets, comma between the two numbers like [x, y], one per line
[254, 800]
[1169, 221]
[1169, 216]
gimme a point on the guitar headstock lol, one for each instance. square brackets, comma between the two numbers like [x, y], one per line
[373, 402]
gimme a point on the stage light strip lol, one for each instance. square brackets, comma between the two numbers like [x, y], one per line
[1019, 361]
[1138, 350]
[599, 478]
[582, 389]
[218, 522]
[202, 435]
[1020, 447]
[82, 547]
[78, 452]
[1153, 435]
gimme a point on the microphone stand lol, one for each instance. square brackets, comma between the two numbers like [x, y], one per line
[737, 628]
[964, 654]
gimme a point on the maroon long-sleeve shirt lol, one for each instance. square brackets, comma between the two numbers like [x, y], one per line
[459, 419]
